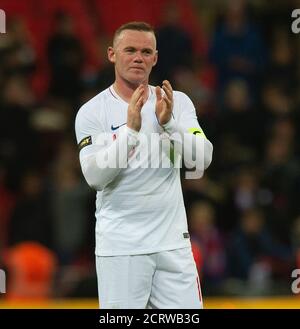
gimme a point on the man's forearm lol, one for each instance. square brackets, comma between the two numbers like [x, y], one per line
[188, 146]
[101, 167]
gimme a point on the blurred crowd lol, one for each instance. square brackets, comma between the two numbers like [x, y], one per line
[237, 61]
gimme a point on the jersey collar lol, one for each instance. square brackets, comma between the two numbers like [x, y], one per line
[117, 96]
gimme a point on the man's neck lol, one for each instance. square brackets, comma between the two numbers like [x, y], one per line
[125, 89]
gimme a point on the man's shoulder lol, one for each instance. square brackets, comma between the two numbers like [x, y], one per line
[92, 111]
[95, 102]
[176, 93]
[182, 103]
[179, 94]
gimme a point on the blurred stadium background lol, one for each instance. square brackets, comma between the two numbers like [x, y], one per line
[236, 59]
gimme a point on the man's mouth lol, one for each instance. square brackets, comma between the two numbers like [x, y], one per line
[137, 68]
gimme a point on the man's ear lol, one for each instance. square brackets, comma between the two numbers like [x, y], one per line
[156, 58]
[111, 54]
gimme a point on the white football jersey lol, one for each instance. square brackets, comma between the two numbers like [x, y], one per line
[138, 210]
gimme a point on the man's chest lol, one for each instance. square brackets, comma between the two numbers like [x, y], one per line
[116, 117]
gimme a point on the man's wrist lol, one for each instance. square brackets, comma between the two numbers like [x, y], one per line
[170, 127]
[132, 135]
[131, 131]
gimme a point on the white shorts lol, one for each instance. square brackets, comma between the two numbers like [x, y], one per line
[163, 280]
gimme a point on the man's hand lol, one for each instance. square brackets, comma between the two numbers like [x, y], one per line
[134, 119]
[164, 104]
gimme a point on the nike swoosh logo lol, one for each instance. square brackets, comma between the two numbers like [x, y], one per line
[117, 127]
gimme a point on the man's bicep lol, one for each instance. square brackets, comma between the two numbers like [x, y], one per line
[88, 129]
[96, 146]
[93, 156]
[190, 124]
[188, 117]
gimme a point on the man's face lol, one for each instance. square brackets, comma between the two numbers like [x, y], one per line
[134, 54]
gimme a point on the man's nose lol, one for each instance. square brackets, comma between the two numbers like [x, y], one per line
[138, 57]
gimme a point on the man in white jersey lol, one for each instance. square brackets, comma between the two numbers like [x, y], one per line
[143, 250]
